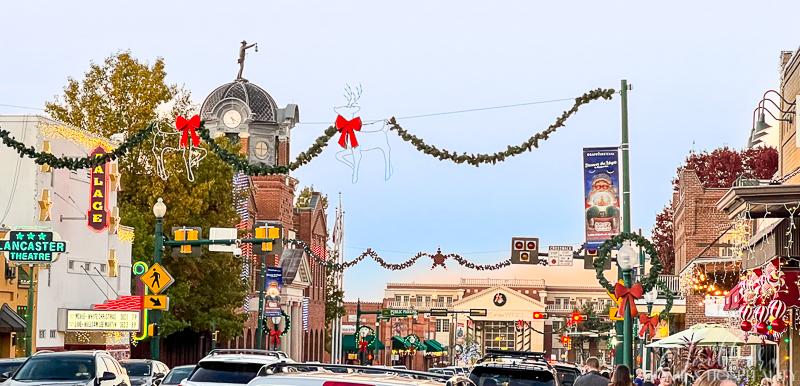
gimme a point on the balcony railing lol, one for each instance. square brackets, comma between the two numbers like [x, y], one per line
[672, 282]
[420, 306]
[569, 308]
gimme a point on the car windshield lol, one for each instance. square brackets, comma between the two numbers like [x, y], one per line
[511, 377]
[56, 368]
[137, 369]
[177, 375]
[225, 372]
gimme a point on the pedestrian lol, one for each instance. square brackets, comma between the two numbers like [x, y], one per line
[621, 376]
[766, 382]
[777, 381]
[592, 376]
[665, 379]
[648, 380]
[639, 380]
[715, 378]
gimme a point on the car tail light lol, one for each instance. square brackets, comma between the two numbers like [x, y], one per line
[337, 383]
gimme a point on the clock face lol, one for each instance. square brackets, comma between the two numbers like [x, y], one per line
[232, 119]
[261, 150]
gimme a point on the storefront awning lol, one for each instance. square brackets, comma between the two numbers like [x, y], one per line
[349, 343]
[10, 321]
[760, 201]
[399, 343]
[431, 345]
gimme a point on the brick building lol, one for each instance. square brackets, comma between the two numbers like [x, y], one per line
[244, 112]
[702, 249]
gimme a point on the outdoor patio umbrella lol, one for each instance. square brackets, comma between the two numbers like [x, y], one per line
[708, 335]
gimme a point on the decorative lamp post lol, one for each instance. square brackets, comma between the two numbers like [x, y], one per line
[159, 210]
[625, 257]
[647, 325]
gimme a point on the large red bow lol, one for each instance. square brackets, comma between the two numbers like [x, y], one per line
[628, 296]
[348, 130]
[362, 346]
[188, 127]
[649, 324]
[275, 337]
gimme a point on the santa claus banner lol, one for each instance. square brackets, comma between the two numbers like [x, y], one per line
[601, 200]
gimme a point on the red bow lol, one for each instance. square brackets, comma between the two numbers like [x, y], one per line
[362, 346]
[348, 130]
[628, 296]
[275, 337]
[649, 324]
[188, 127]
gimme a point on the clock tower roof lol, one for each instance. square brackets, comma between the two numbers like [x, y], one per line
[262, 107]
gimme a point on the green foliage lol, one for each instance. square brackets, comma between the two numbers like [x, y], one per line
[119, 96]
[304, 198]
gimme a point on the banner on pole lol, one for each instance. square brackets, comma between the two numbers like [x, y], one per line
[601, 198]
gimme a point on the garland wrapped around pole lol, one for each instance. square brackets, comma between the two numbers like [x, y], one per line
[75, 163]
[511, 151]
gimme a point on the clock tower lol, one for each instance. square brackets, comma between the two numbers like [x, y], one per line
[244, 110]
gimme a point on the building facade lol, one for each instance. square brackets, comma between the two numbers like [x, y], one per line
[81, 207]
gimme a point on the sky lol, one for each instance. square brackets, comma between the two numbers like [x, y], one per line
[697, 70]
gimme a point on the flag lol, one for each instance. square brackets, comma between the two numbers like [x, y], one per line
[305, 314]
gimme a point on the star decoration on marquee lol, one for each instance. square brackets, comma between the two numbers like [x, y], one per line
[45, 204]
[439, 259]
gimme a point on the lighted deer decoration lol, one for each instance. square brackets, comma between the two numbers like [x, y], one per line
[354, 141]
[188, 144]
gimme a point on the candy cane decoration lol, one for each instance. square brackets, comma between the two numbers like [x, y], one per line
[777, 308]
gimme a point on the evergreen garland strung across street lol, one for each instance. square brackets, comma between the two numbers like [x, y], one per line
[74, 163]
[649, 282]
[511, 151]
[438, 259]
[242, 165]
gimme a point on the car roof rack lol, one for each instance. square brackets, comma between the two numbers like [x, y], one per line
[498, 353]
[243, 351]
[369, 369]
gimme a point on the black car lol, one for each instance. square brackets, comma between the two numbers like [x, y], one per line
[567, 373]
[8, 366]
[513, 368]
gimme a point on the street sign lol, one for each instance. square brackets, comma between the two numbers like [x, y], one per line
[222, 234]
[32, 247]
[524, 250]
[438, 312]
[477, 312]
[156, 302]
[612, 313]
[157, 278]
[560, 255]
[388, 313]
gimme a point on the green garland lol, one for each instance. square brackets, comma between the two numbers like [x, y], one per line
[648, 282]
[74, 163]
[511, 151]
[242, 165]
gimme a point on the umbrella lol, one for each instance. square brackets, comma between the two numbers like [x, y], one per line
[708, 335]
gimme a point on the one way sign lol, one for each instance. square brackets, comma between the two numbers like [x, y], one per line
[156, 302]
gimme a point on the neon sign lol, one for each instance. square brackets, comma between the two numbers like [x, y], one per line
[98, 201]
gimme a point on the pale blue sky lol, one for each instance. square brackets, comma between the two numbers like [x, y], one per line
[697, 69]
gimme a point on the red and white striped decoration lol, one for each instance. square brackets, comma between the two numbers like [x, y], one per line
[777, 308]
[746, 312]
[320, 251]
[761, 313]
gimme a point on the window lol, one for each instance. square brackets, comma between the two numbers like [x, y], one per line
[427, 301]
[102, 268]
[449, 300]
[557, 326]
[42, 334]
[71, 265]
[405, 299]
[397, 299]
[442, 325]
[498, 334]
[52, 334]
[225, 372]
[562, 302]
[419, 300]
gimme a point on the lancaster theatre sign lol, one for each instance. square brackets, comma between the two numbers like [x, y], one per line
[98, 193]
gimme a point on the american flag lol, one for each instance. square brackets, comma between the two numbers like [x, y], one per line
[305, 314]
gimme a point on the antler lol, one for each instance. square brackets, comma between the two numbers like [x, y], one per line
[352, 96]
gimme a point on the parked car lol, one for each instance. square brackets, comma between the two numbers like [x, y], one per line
[504, 367]
[286, 374]
[145, 372]
[89, 368]
[232, 366]
[176, 375]
[8, 366]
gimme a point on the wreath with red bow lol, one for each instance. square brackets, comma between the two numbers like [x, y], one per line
[275, 335]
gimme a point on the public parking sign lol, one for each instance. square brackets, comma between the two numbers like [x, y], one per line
[32, 247]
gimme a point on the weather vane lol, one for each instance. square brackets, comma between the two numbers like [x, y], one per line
[242, 51]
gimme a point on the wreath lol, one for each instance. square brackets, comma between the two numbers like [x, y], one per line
[649, 282]
[286, 326]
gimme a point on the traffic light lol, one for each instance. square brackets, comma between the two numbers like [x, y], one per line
[524, 250]
[186, 234]
[267, 232]
[539, 315]
[152, 329]
[577, 317]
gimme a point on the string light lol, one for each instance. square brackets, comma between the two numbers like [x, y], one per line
[125, 234]
[81, 137]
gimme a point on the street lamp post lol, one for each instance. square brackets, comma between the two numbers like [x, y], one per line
[625, 257]
[276, 321]
[650, 298]
[159, 210]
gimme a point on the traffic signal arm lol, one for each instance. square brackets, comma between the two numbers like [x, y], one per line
[177, 243]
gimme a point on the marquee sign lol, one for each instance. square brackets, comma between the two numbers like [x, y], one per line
[98, 193]
[102, 320]
[32, 247]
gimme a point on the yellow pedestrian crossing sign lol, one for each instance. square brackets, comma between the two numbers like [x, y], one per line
[157, 278]
[156, 302]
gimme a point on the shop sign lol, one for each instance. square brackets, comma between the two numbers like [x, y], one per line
[388, 313]
[98, 193]
[102, 320]
[32, 247]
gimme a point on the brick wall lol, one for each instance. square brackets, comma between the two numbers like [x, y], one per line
[790, 87]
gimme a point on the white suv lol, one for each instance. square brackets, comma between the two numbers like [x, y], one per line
[232, 366]
[73, 368]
